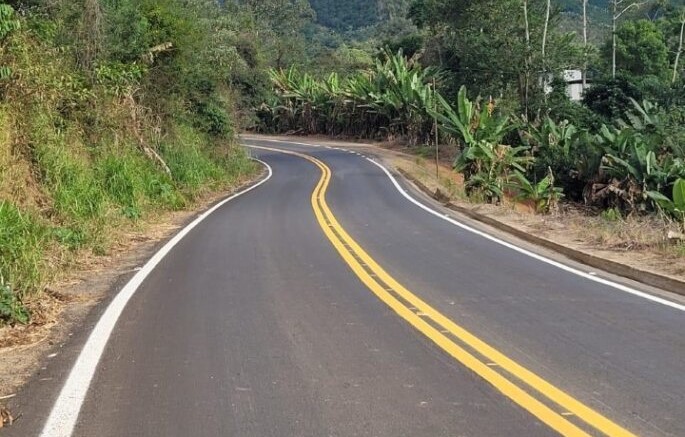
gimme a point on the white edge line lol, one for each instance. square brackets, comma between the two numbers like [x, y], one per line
[518, 249]
[67, 406]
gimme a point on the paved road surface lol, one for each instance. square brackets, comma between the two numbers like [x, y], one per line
[324, 303]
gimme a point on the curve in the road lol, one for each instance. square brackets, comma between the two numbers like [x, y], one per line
[452, 338]
[538, 257]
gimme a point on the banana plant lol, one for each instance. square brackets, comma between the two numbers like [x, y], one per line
[551, 135]
[469, 123]
[393, 97]
[675, 206]
[544, 195]
[632, 167]
[487, 167]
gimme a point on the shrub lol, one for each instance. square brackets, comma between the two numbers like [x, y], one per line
[611, 97]
[22, 244]
[568, 151]
[544, 195]
[12, 310]
[211, 117]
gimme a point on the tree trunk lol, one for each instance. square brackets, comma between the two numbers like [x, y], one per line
[544, 32]
[614, 18]
[544, 47]
[89, 34]
[680, 48]
[528, 61]
[584, 74]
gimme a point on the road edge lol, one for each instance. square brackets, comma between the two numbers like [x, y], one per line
[642, 276]
[67, 404]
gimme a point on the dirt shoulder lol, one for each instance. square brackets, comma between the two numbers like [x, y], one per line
[638, 242]
[89, 280]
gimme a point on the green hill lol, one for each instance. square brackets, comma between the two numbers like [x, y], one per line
[347, 15]
[356, 14]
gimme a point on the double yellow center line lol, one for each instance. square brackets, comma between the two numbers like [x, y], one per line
[549, 404]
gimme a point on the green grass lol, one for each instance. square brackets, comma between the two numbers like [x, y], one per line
[12, 309]
[22, 244]
[193, 167]
[134, 184]
[90, 191]
[68, 176]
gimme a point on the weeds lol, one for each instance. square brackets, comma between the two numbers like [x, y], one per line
[12, 310]
[611, 215]
[22, 244]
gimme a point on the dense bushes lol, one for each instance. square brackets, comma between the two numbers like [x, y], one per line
[111, 112]
[392, 98]
[618, 153]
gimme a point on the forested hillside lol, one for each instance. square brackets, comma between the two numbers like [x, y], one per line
[490, 76]
[346, 15]
[356, 14]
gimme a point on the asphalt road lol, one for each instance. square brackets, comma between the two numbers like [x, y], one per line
[324, 303]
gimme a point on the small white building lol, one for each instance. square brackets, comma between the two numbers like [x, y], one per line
[574, 84]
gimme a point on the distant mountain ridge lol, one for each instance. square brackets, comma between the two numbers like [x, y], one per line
[350, 15]
[356, 14]
[345, 15]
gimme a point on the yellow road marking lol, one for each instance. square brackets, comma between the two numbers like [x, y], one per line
[357, 259]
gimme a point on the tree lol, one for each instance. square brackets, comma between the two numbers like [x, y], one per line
[612, 96]
[639, 48]
[619, 7]
[283, 22]
[585, 45]
[492, 42]
[680, 46]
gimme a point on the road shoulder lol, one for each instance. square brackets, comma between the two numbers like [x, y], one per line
[75, 302]
[567, 236]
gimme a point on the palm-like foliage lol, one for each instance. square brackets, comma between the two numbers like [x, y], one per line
[635, 161]
[470, 123]
[674, 206]
[488, 167]
[391, 98]
[543, 194]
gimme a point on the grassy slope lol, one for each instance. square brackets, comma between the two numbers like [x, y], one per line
[73, 172]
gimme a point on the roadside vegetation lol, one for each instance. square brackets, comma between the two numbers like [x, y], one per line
[486, 81]
[112, 112]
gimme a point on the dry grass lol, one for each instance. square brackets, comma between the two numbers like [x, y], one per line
[17, 179]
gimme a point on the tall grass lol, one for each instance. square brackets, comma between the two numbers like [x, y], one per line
[92, 190]
[134, 184]
[73, 173]
[22, 244]
[197, 167]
